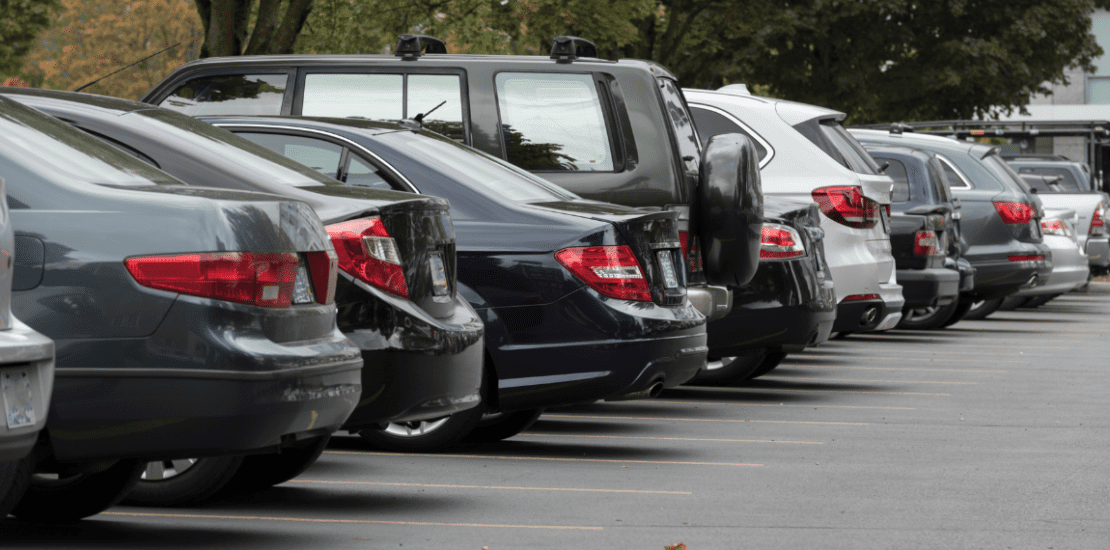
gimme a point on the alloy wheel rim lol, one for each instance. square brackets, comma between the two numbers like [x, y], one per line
[415, 429]
[161, 470]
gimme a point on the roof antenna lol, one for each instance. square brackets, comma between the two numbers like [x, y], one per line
[420, 117]
[127, 66]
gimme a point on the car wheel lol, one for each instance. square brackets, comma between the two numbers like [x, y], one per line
[1011, 303]
[980, 309]
[1038, 301]
[264, 471]
[183, 482]
[958, 314]
[496, 426]
[728, 370]
[770, 361]
[57, 499]
[927, 318]
[424, 436]
[15, 476]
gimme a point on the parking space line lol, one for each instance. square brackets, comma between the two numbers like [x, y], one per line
[790, 378]
[946, 359]
[492, 487]
[847, 391]
[553, 459]
[668, 401]
[804, 366]
[674, 438]
[730, 420]
[359, 521]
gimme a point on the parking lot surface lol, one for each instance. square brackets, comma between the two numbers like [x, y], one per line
[990, 434]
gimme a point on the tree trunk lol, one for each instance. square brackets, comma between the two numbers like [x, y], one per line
[285, 36]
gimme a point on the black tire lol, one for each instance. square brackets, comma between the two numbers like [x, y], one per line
[770, 361]
[1011, 303]
[426, 436]
[958, 314]
[15, 477]
[731, 371]
[502, 425]
[982, 309]
[1038, 301]
[264, 471]
[69, 499]
[927, 318]
[186, 482]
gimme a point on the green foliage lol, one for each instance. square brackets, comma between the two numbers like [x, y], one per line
[20, 22]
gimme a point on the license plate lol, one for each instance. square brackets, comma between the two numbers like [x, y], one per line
[670, 277]
[439, 276]
[18, 401]
[885, 218]
[302, 290]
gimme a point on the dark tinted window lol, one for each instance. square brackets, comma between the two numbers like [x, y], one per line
[954, 179]
[688, 145]
[553, 121]
[897, 172]
[710, 123]
[850, 150]
[938, 180]
[252, 94]
[1003, 172]
[365, 175]
[1068, 182]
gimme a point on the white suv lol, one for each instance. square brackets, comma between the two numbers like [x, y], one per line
[804, 152]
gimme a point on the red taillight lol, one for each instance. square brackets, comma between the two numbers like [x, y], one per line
[860, 297]
[691, 251]
[611, 270]
[367, 252]
[1055, 227]
[1027, 258]
[1097, 225]
[323, 266]
[260, 279]
[1014, 213]
[780, 242]
[845, 204]
[926, 243]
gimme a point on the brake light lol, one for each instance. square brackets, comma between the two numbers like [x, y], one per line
[780, 242]
[1027, 258]
[366, 251]
[1097, 225]
[1014, 213]
[1055, 227]
[324, 267]
[613, 271]
[926, 243]
[845, 204]
[259, 279]
[860, 297]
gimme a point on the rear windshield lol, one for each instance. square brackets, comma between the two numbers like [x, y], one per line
[42, 147]
[1003, 172]
[834, 140]
[1067, 182]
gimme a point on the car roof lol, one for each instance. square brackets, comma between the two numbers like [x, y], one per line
[929, 142]
[791, 111]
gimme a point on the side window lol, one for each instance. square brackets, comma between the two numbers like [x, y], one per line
[317, 154]
[956, 180]
[376, 96]
[710, 123]
[938, 180]
[250, 94]
[553, 122]
[897, 172]
[363, 174]
[688, 145]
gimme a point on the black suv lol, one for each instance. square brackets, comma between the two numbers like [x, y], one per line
[613, 131]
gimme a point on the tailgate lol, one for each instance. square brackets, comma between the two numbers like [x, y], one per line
[425, 240]
[653, 237]
[1084, 205]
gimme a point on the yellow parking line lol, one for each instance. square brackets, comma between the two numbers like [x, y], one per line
[436, 486]
[803, 366]
[674, 438]
[668, 401]
[493, 457]
[360, 521]
[791, 378]
[731, 420]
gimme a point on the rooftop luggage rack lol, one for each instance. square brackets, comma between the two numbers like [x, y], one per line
[409, 46]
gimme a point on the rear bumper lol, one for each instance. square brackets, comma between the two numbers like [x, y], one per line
[929, 287]
[997, 277]
[1070, 269]
[871, 315]
[1098, 253]
[24, 351]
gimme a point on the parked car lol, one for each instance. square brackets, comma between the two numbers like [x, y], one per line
[806, 154]
[1070, 268]
[582, 300]
[925, 236]
[1074, 192]
[1000, 220]
[612, 131]
[188, 322]
[26, 379]
[397, 298]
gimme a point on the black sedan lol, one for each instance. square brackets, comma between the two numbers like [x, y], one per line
[582, 300]
[187, 321]
[397, 296]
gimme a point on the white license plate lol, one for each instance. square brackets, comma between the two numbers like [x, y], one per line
[19, 403]
[302, 290]
[439, 276]
[670, 277]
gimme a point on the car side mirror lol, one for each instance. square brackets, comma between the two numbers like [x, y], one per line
[729, 209]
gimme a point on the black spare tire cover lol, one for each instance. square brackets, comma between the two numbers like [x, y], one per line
[730, 209]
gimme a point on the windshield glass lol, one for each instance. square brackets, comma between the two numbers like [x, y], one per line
[479, 170]
[232, 153]
[51, 149]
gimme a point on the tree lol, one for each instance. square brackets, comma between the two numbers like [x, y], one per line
[228, 30]
[20, 22]
[92, 38]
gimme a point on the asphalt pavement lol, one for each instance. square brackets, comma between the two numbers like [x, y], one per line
[991, 434]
